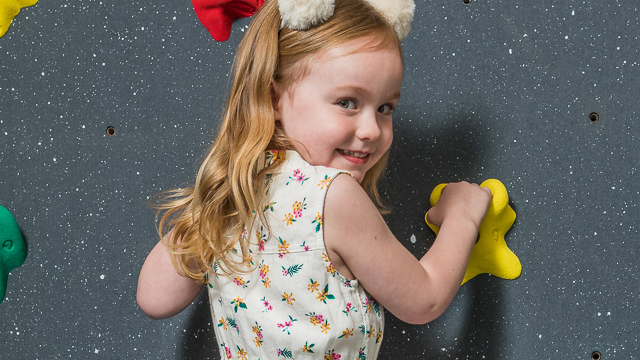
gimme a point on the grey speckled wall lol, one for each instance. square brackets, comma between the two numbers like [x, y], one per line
[495, 89]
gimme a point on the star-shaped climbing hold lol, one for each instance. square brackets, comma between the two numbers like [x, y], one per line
[218, 15]
[9, 9]
[490, 254]
[13, 250]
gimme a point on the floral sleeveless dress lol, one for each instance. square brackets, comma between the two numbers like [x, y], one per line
[294, 304]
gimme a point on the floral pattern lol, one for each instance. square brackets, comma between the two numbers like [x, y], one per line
[292, 299]
[258, 331]
[297, 177]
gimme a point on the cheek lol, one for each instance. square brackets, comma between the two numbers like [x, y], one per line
[387, 132]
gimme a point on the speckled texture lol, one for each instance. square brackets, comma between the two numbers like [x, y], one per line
[498, 88]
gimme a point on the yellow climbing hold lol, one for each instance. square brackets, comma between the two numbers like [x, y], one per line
[490, 254]
[9, 9]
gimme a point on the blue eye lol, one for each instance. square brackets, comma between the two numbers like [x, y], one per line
[347, 104]
[385, 109]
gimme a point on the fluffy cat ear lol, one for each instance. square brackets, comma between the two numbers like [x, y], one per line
[303, 14]
[399, 13]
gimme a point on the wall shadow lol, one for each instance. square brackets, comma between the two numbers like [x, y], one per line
[455, 150]
[198, 341]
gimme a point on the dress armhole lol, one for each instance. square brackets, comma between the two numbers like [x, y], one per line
[344, 279]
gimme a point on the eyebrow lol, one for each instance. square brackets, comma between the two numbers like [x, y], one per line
[363, 90]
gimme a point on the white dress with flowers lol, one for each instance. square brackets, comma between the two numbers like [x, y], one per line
[294, 304]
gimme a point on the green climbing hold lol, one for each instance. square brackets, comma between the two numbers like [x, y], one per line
[13, 249]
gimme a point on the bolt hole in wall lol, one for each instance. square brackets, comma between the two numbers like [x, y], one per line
[111, 131]
[596, 355]
[594, 117]
[466, 2]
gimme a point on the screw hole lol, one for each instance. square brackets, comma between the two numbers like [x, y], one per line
[111, 130]
[596, 355]
[466, 2]
[594, 117]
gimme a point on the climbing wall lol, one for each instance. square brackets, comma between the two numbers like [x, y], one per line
[103, 104]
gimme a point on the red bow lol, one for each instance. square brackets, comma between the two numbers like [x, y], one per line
[218, 15]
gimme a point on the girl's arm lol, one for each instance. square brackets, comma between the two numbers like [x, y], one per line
[361, 246]
[162, 292]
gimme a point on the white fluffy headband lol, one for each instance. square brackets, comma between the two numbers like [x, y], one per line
[302, 14]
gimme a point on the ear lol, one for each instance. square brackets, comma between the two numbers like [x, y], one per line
[276, 93]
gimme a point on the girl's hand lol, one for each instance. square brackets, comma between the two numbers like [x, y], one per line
[461, 201]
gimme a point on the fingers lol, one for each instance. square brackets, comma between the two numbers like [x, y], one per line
[461, 200]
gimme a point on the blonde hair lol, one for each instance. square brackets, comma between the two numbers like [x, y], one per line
[203, 224]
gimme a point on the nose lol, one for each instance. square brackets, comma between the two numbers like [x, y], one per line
[368, 127]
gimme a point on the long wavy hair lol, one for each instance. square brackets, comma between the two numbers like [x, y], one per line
[204, 224]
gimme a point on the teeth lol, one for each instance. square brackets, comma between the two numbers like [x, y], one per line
[354, 154]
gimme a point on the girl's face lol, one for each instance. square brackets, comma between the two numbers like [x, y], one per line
[339, 115]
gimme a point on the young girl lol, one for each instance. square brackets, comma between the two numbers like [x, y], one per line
[283, 224]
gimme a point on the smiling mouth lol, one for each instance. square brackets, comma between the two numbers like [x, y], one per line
[358, 155]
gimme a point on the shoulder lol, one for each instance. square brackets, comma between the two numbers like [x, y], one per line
[293, 167]
[350, 214]
[343, 190]
[349, 211]
[297, 174]
[347, 197]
